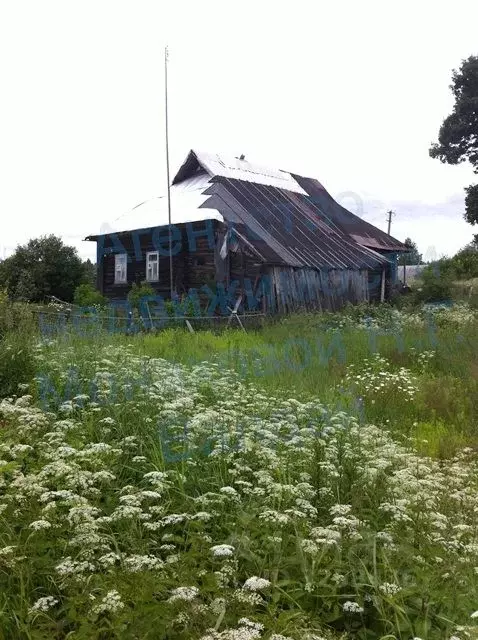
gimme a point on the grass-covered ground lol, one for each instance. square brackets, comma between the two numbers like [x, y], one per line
[315, 478]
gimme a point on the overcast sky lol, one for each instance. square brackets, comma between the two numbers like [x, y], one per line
[352, 93]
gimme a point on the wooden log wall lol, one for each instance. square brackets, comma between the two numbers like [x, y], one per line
[193, 262]
[295, 289]
[198, 263]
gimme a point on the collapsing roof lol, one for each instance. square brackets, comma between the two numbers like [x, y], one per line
[285, 218]
[359, 229]
[286, 228]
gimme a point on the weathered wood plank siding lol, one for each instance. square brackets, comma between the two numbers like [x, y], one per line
[296, 289]
[198, 264]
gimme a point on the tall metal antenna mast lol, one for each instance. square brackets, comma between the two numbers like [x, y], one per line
[171, 279]
[389, 219]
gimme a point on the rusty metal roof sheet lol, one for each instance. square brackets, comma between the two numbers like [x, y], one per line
[287, 228]
[287, 218]
[360, 230]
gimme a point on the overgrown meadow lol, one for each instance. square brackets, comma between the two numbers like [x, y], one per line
[315, 478]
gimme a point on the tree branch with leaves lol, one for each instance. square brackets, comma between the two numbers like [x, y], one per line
[458, 135]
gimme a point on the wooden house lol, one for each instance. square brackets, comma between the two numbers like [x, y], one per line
[241, 227]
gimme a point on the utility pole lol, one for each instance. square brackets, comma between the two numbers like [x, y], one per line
[390, 214]
[171, 279]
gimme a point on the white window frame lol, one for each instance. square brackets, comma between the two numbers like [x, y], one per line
[151, 277]
[121, 268]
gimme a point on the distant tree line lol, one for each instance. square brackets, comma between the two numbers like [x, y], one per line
[45, 267]
[412, 256]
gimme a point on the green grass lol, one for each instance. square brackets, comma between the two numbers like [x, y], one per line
[263, 432]
[301, 356]
[297, 356]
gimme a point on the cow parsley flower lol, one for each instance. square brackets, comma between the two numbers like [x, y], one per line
[6, 551]
[111, 603]
[256, 584]
[70, 567]
[137, 563]
[250, 598]
[352, 607]
[222, 550]
[37, 525]
[43, 604]
[245, 622]
[218, 605]
[183, 593]
[389, 588]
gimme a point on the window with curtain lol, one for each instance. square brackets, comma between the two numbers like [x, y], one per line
[121, 262]
[152, 266]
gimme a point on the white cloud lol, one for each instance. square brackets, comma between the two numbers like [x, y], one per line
[351, 93]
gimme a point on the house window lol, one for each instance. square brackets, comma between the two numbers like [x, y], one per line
[152, 266]
[121, 261]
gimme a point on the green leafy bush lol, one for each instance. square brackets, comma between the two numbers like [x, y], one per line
[184, 306]
[462, 266]
[87, 296]
[138, 292]
[436, 285]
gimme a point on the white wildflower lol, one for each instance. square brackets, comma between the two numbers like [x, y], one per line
[111, 603]
[389, 588]
[250, 598]
[218, 605]
[37, 525]
[222, 550]
[352, 607]
[6, 551]
[137, 563]
[183, 593]
[43, 604]
[256, 584]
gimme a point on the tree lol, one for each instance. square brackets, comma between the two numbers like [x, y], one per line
[25, 289]
[41, 268]
[89, 273]
[412, 256]
[458, 135]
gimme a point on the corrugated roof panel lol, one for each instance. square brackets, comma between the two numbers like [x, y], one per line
[290, 225]
[331, 212]
[235, 168]
[296, 210]
[289, 219]
[359, 229]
